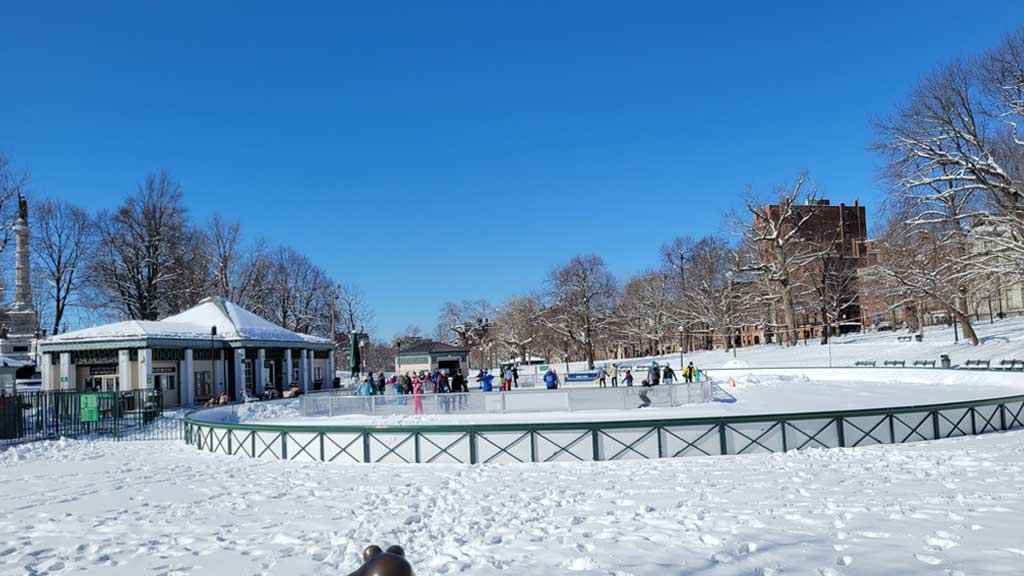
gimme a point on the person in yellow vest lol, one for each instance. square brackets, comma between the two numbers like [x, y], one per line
[689, 372]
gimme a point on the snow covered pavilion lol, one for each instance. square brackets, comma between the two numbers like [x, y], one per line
[181, 356]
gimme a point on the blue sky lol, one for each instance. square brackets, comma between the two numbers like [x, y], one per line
[434, 151]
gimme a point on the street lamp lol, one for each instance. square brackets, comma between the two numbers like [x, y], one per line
[213, 365]
[729, 276]
[682, 329]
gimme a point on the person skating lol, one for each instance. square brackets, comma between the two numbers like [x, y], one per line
[653, 374]
[507, 384]
[382, 384]
[613, 374]
[645, 400]
[515, 376]
[669, 375]
[688, 373]
[602, 377]
[486, 381]
[628, 379]
[417, 390]
[551, 379]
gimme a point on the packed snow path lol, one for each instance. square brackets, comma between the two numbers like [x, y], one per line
[947, 507]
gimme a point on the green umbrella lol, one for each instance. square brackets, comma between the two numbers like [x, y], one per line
[354, 360]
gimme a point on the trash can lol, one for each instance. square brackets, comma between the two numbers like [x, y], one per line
[944, 359]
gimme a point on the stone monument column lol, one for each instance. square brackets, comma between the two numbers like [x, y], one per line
[22, 272]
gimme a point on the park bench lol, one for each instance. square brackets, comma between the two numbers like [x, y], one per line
[904, 338]
[1012, 364]
[977, 364]
[924, 363]
[911, 338]
[900, 363]
[871, 363]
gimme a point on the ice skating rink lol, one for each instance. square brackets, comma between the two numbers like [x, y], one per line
[757, 391]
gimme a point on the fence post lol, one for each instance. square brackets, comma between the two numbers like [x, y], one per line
[597, 444]
[840, 432]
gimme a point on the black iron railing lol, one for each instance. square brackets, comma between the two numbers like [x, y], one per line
[122, 415]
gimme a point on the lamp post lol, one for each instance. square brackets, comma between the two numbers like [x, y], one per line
[566, 358]
[729, 276]
[213, 365]
[682, 329]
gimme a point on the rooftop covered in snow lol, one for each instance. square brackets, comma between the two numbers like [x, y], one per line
[236, 327]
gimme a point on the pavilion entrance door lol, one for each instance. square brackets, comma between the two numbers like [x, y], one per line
[270, 375]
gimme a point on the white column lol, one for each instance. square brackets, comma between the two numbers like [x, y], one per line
[46, 369]
[304, 371]
[188, 388]
[261, 360]
[67, 372]
[145, 369]
[124, 364]
[309, 368]
[329, 377]
[218, 373]
[287, 369]
[239, 360]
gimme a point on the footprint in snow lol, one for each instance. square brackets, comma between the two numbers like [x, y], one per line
[929, 559]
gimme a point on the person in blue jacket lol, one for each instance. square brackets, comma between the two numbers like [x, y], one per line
[551, 379]
[486, 381]
[365, 388]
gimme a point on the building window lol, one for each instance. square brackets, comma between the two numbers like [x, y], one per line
[318, 374]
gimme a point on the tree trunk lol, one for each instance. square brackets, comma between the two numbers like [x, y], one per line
[965, 321]
[789, 314]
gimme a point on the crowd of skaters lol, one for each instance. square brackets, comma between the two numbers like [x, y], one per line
[442, 381]
[655, 375]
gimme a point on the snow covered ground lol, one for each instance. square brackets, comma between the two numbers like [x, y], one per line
[1001, 340]
[947, 507]
[950, 507]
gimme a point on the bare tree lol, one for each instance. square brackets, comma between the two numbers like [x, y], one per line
[465, 323]
[582, 295]
[644, 311]
[517, 326]
[715, 289]
[959, 136]
[134, 269]
[778, 237]
[354, 312]
[62, 247]
[835, 290]
[298, 296]
[675, 261]
[224, 248]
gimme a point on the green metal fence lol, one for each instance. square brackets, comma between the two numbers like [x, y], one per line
[612, 440]
[123, 415]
